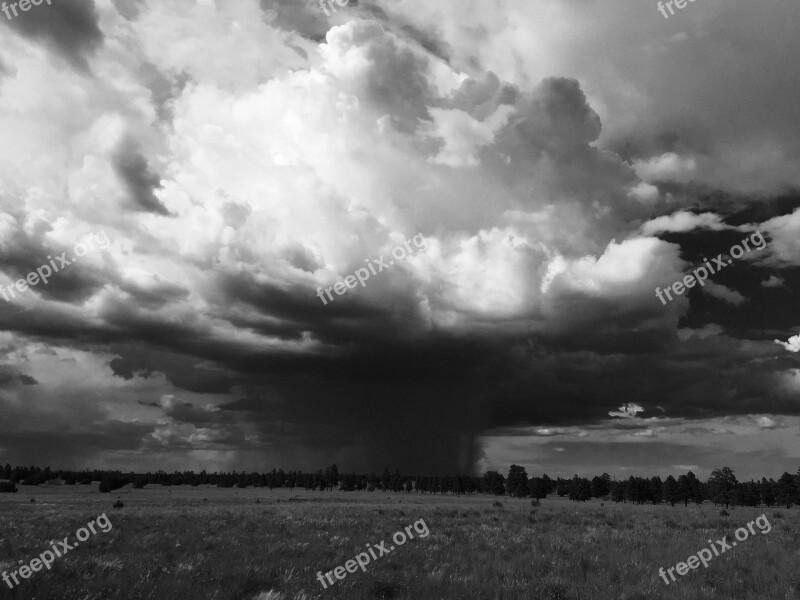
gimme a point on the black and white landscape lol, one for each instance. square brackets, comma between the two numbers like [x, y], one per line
[281, 278]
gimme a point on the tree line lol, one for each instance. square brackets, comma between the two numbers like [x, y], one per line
[722, 487]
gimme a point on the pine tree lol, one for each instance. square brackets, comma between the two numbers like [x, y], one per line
[670, 491]
[517, 482]
[722, 485]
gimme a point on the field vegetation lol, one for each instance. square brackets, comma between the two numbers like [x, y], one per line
[255, 544]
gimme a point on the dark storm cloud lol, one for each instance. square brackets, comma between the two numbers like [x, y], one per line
[684, 379]
[735, 208]
[379, 388]
[133, 169]
[413, 426]
[69, 27]
[185, 371]
[75, 450]
[10, 374]
[23, 254]
[161, 294]
[766, 310]
[379, 394]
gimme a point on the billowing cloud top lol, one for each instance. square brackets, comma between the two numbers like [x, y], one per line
[560, 162]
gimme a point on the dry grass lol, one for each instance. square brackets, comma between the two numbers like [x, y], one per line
[172, 544]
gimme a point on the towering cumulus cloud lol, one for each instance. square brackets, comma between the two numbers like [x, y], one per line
[241, 155]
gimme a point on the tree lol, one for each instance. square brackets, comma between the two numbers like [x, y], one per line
[670, 491]
[580, 490]
[538, 487]
[618, 491]
[494, 483]
[786, 490]
[766, 489]
[331, 477]
[601, 486]
[633, 490]
[696, 487]
[656, 489]
[684, 489]
[722, 486]
[751, 494]
[517, 482]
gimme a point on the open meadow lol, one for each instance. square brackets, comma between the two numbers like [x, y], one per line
[205, 543]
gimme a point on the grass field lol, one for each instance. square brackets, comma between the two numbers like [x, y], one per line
[206, 543]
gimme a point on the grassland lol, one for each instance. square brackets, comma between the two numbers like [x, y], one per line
[204, 543]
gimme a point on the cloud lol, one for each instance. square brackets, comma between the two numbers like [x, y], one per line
[667, 167]
[287, 152]
[774, 281]
[68, 27]
[792, 344]
[766, 423]
[629, 410]
[724, 293]
[132, 167]
[682, 221]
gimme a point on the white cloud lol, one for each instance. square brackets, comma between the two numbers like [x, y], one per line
[774, 281]
[766, 423]
[628, 410]
[462, 135]
[632, 265]
[682, 221]
[723, 293]
[667, 167]
[792, 344]
[708, 330]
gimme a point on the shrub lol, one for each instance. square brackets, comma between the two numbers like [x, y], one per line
[7, 487]
[111, 483]
[118, 504]
[535, 502]
[382, 590]
[723, 513]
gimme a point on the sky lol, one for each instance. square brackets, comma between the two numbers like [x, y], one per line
[548, 164]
